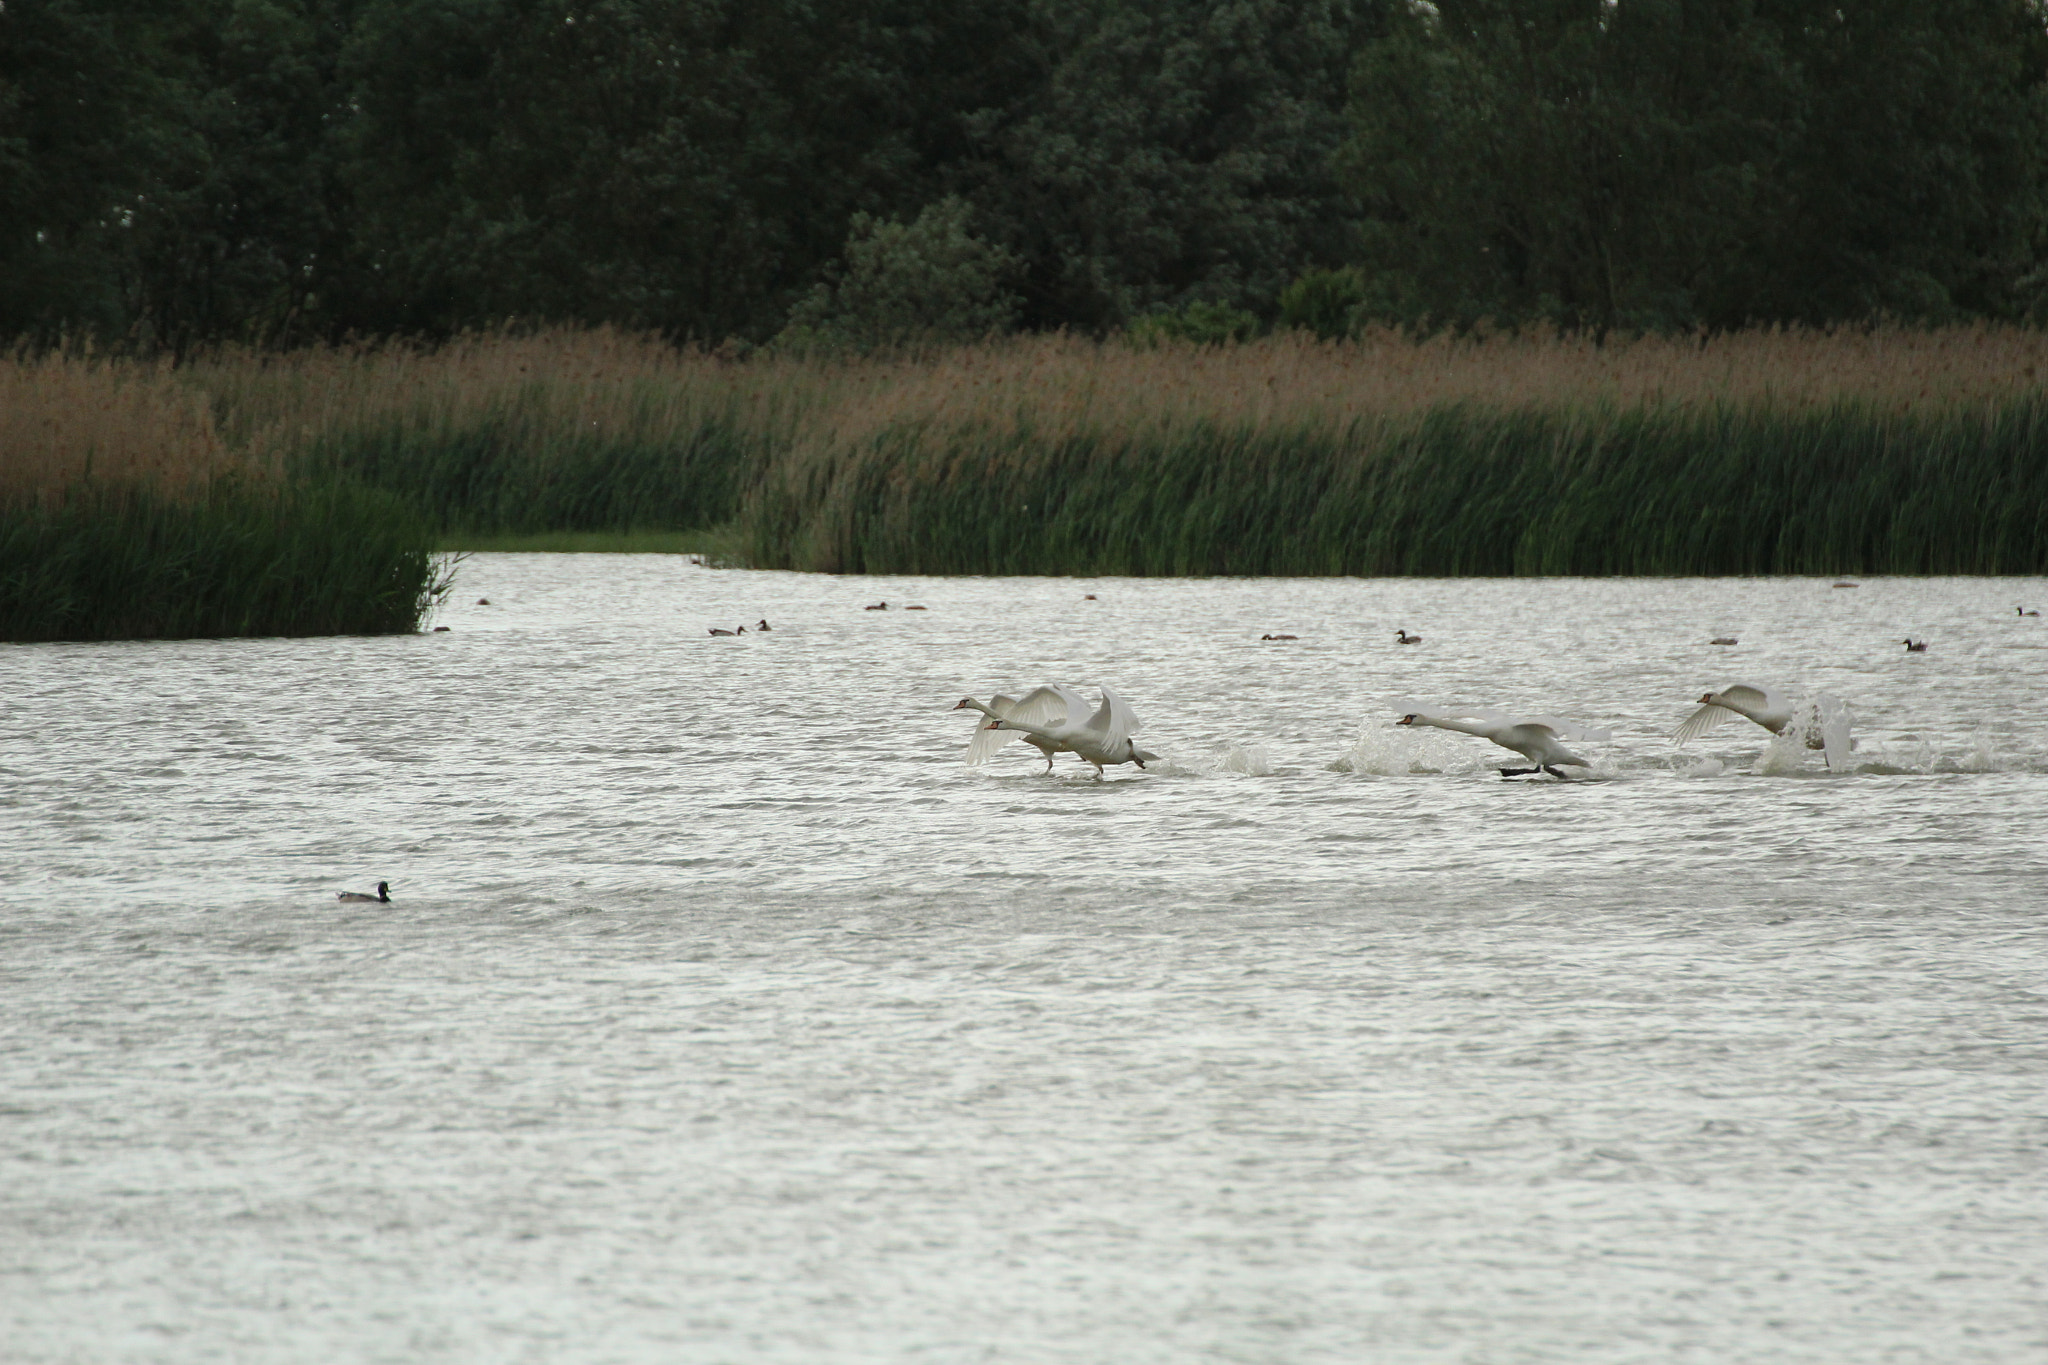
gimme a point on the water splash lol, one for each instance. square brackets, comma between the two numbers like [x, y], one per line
[1386, 752]
[1251, 760]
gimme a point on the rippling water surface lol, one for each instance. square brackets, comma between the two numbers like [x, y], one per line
[722, 1014]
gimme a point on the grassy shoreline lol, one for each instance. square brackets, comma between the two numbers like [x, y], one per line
[129, 564]
[125, 515]
[1874, 451]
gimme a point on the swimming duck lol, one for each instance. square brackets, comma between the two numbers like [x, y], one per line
[1914, 646]
[763, 624]
[1402, 637]
[879, 606]
[1724, 640]
[1279, 637]
[383, 896]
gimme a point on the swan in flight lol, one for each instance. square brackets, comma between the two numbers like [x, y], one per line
[1053, 703]
[383, 896]
[1058, 716]
[1822, 723]
[1539, 739]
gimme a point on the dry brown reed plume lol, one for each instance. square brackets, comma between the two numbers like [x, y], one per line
[540, 385]
[63, 414]
[1057, 385]
[67, 417]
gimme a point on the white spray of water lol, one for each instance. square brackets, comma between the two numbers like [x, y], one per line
[1252, 760]
[1388, 752]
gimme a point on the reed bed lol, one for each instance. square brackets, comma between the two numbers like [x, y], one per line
[68, 419]
[1869, 451]
[1765, 452]
[124, 514]
[508, 435]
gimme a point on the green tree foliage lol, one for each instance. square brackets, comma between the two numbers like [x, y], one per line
[236, 239]
[1198, 323]
[689, 165]
[909, 285]
[1325, 302]
[88, 119]
[163, 165]
[1675, 163]
[1169, 151]
[180, 172]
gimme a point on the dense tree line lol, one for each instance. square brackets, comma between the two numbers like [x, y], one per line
[175, 172]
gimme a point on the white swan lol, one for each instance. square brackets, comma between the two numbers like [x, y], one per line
[1821, 723]
[1042, 705]
[1103, 739]
[1539, 739]
[382, 897]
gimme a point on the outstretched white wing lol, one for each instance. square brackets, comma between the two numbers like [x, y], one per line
[986, 741]
[1755, 701]
[1113, 723]
[1832, 719]
[1048, 708]
[1755, 697]
[1052, 707]
[1699, 722]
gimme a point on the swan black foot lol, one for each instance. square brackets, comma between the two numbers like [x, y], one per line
[1555, 773]
[1519, 772]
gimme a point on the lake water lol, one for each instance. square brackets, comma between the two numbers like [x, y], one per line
[722, 1014]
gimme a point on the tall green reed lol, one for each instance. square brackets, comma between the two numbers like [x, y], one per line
[125, 515]
[1867, 451]
[1460, 489]
[244, 559]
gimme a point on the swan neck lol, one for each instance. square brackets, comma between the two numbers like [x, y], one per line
[1463, 727]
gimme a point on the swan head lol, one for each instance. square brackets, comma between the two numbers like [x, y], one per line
[1408, 719]
[1706, 699]
[965, 703]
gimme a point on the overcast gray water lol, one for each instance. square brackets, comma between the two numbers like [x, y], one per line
[722, 1014]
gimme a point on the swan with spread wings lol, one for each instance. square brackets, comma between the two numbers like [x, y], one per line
[1819, 721]
[1057, 719]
